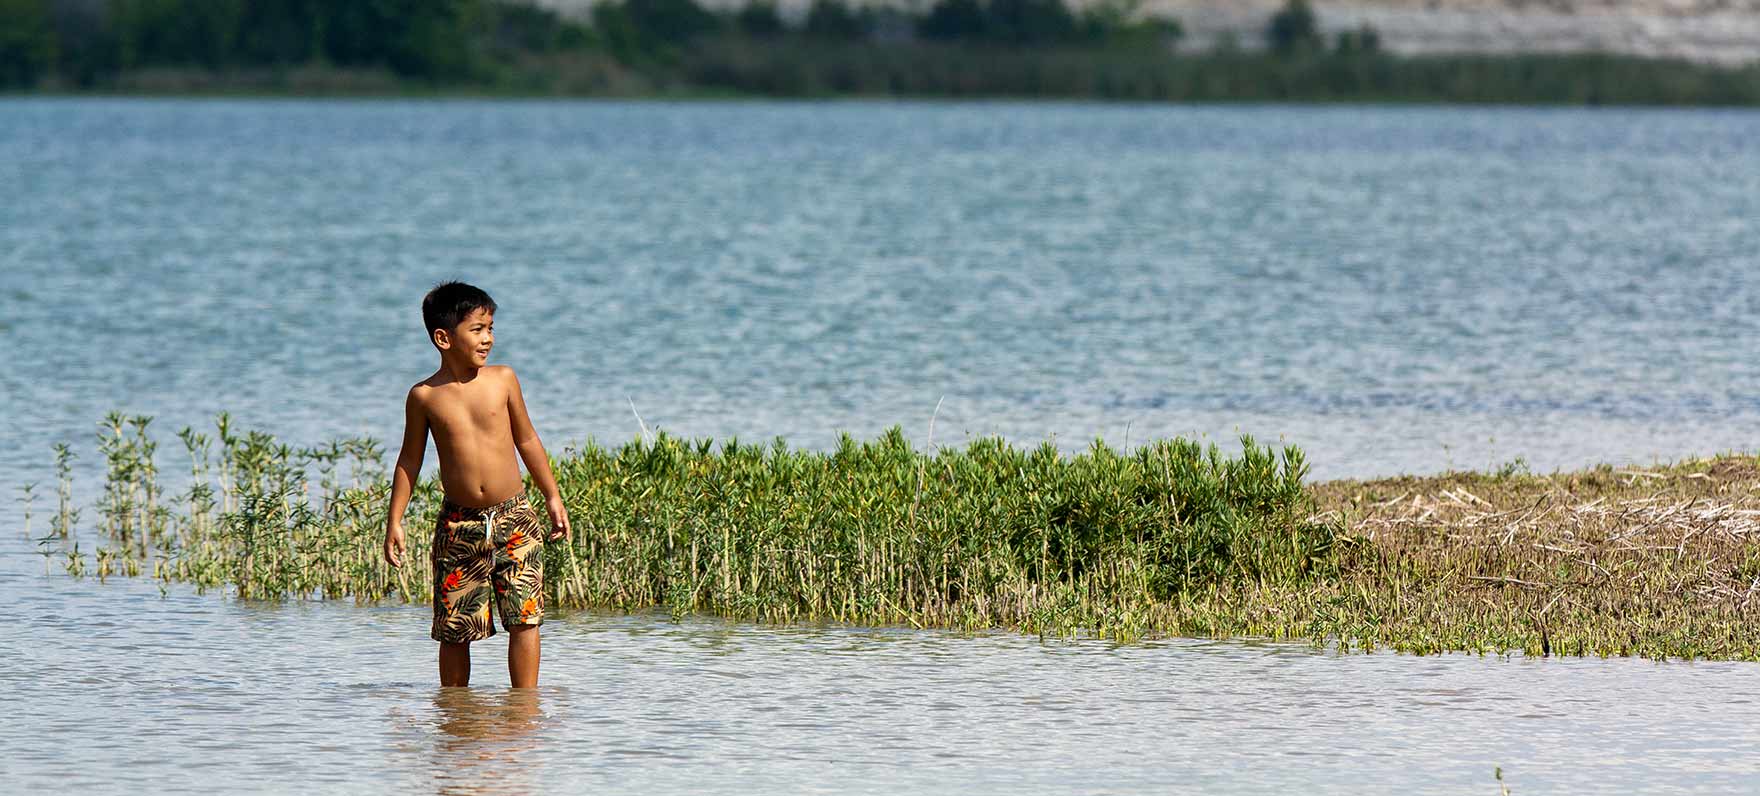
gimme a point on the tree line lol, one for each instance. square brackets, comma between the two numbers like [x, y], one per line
[1032, 48]
[80, 43]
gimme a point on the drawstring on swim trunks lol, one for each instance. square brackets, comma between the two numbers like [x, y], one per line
[488, 538]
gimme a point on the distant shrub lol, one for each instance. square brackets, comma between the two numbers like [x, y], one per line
[1364, 40]
[670, 21]
[514, 28]
[759, 19]
[1122, 23]
[1019, 22]
[834, 19]
[953, 19]
[1031, 22]
[1294, 29]
[27, 42]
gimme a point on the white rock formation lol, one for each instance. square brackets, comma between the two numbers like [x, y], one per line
[1719, 31]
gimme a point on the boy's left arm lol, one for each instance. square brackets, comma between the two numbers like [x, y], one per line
[531, 451]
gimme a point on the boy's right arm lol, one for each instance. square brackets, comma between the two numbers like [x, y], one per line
[403, 479]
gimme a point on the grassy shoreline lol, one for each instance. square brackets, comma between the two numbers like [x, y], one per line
[1169, 539]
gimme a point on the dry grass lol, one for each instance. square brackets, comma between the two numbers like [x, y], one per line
[1655, 562]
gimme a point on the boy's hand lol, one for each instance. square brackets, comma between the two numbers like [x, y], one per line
[558, 519]
[394, 545]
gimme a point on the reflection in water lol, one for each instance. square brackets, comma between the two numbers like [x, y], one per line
[486, 740]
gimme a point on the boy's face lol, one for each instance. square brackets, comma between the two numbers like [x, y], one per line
[471, 339]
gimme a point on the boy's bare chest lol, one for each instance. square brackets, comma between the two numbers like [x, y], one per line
[468, 413]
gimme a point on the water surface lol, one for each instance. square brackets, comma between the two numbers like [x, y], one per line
[1396, 290]
[116, 689]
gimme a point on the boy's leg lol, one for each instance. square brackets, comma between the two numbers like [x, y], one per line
[519, 585]
[522, 655]
[462, 594]
[455, 664]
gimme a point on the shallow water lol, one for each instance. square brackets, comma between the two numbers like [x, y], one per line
[1397, 290]
[116, 689]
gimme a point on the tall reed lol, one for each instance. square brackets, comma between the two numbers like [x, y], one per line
[66, 514]
[26, 498]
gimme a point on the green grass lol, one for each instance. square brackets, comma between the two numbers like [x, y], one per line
[872, 533]
[1170, 539]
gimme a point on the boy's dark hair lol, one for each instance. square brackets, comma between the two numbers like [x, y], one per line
[447, 305]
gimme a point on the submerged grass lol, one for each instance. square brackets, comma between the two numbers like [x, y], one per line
[1172, 538]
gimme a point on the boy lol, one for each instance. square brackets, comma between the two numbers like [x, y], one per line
[487, 534]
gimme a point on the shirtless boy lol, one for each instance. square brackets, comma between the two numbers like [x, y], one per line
[487, 548]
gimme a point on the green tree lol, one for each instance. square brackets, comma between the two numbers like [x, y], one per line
[87, 46]
[177, 32]
[1029, 22]
[1294, 29]
[759, 18]
[518, 27]
[617, 31]
[431, 38]
[27, 42]
[418, 38]
[834, 19]
[670, 21]
[280, 33]
[953, 19]
[1122, 23]
[1364, 40]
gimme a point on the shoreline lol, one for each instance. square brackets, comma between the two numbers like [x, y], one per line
[734, 69]
[854, 99]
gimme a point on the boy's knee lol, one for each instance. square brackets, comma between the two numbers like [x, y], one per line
[520, 630]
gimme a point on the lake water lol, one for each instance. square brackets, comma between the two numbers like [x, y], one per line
[1395, 290]
[115, 689]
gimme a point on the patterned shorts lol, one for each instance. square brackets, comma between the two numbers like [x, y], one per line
[482, 556]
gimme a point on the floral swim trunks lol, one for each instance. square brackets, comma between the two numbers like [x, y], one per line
[482, 556]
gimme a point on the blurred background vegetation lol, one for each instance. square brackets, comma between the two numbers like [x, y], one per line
[946, 48]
